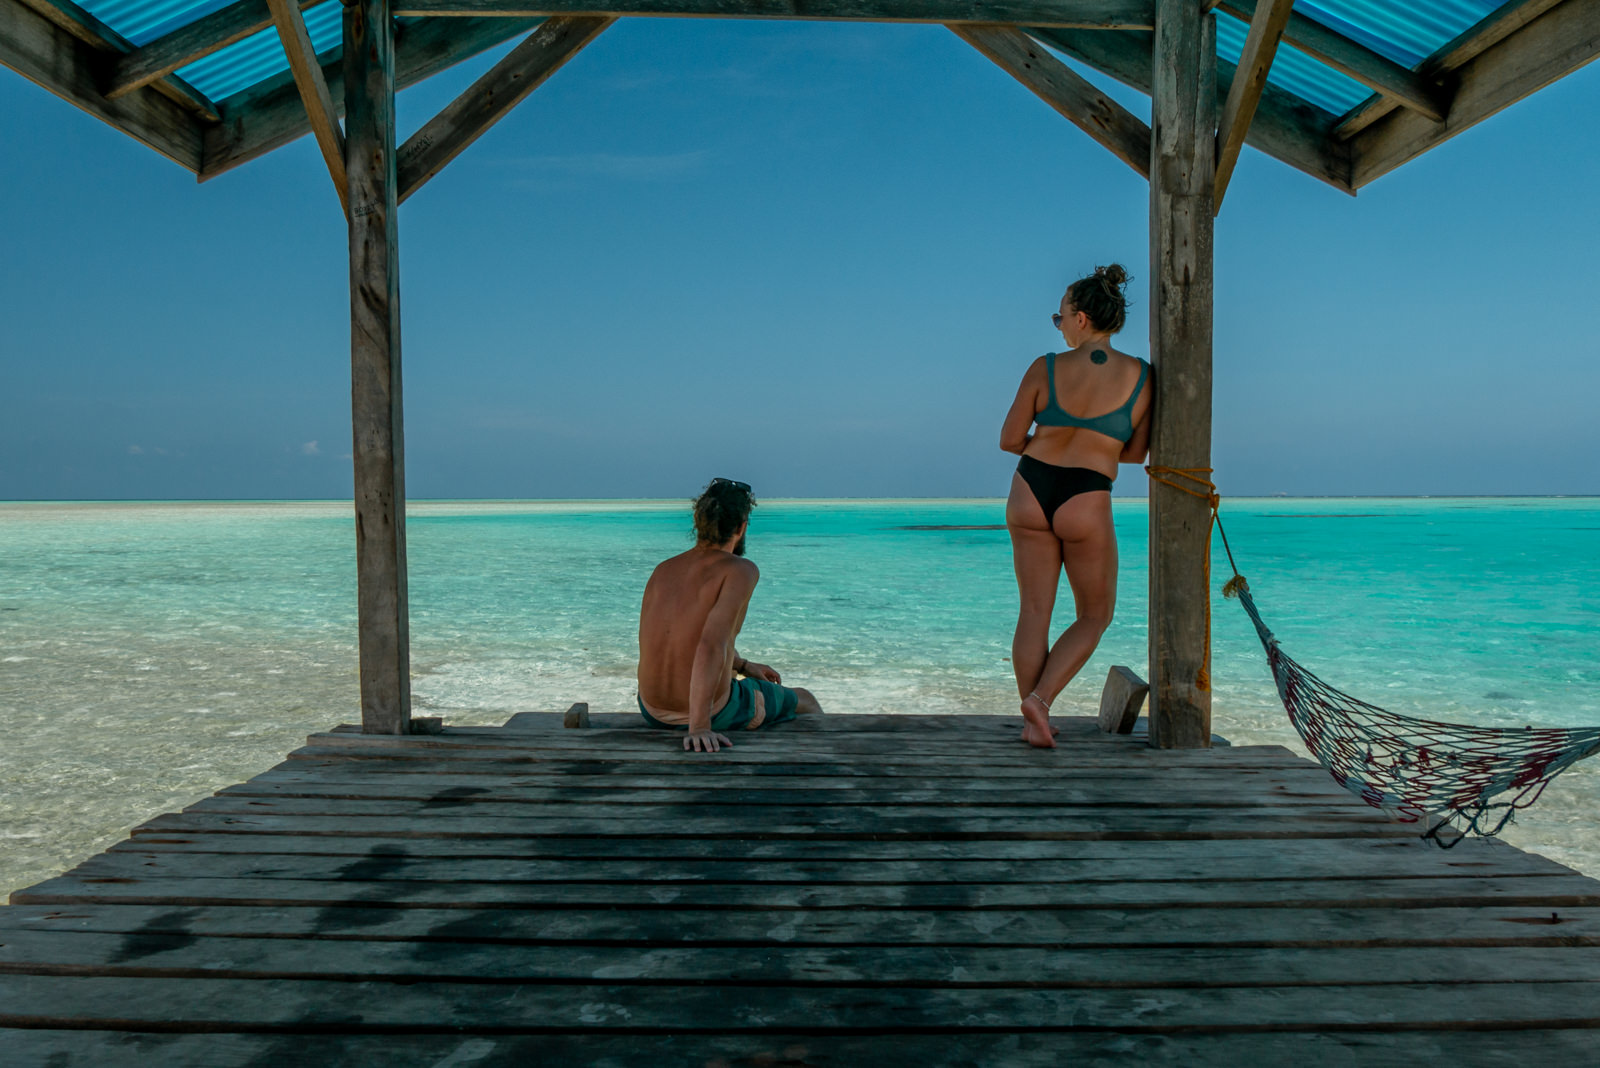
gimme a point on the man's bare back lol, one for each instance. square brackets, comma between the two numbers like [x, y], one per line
[678, 600]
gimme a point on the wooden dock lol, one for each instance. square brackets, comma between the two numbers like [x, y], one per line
[854, 891]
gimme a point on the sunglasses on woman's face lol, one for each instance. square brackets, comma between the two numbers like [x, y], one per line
[718, 482]
[1055, 320]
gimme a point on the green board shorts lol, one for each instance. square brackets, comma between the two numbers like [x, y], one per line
[782, 704]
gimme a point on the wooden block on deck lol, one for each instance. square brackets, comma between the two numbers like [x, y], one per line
[427, 725]
[577, 715]
[1121, 700]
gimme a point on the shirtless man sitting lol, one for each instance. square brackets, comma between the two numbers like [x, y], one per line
[694, 605]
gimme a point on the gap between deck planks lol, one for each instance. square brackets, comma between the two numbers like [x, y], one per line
[533, 886]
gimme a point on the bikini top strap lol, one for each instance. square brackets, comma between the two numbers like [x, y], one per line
[1050, 373]
[1144, 372]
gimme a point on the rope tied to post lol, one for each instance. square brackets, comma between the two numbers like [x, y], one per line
[1196, 482]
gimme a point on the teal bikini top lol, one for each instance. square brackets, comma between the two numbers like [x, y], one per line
[1116, 424]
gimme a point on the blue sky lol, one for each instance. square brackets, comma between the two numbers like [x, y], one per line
[814, 256]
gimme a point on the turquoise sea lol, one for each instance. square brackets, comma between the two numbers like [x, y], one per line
[153, 653]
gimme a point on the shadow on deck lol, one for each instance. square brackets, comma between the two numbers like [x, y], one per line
[858, 890]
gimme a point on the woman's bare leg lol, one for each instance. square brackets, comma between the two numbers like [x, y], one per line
[1036, 555]
[1089, 553]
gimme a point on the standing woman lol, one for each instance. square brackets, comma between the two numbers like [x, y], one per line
[1059, 511]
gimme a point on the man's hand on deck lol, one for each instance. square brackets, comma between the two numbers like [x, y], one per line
[753, 670]
[706, 741]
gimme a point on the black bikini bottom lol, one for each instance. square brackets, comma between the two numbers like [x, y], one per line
[1054, 486]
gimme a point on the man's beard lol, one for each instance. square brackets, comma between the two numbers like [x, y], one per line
[738, 550]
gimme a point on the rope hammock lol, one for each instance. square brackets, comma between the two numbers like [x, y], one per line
[1457, 779]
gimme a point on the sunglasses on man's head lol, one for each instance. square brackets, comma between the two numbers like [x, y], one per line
[719, 482]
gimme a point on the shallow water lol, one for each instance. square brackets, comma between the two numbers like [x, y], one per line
[152, 653]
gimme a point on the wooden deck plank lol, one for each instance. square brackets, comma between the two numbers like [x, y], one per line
[406, 773]
[1078, 793]
[1337, 1049]
[184, 956]
[1143, 866]
[999, 739]
[1087, 823]
[1337, 856]
[1024, 805]
[710, 767]
[357, 887]
[1284, 926]
[316, 1005]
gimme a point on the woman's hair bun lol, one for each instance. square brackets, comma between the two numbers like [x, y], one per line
[1114, 273]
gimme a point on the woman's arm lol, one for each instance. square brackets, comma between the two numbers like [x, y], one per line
[1014, 436]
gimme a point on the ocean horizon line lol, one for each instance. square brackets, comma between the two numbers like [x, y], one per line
[829, 499]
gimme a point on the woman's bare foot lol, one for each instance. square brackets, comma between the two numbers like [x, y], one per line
[1036, 729]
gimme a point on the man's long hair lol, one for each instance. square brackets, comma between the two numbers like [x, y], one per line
[720, 510]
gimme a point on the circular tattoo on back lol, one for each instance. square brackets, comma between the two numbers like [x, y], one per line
[1099, 356]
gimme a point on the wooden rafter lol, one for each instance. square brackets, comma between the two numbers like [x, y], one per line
[493, 96]
[1550, 47]
[313, 89]
[1406, 88]
[111, 45]
[60, 61]
[1285, 127]
[1080, 14]
[186, 44]
[1488, 32]
[270, 115]
[1072, 96]
[1245, 88]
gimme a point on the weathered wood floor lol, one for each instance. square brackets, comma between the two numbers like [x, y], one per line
[860, 891]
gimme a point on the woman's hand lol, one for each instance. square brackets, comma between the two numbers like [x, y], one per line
[753, 670]
[706, 741]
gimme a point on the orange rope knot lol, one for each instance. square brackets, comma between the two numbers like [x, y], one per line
[1196, 482]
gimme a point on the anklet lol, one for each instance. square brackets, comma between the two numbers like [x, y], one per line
[1041, 700]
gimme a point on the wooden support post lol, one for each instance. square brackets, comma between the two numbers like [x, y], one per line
[1249, 81]
[313, 91]
[1182, 169]
[378, 429]
[577, 716]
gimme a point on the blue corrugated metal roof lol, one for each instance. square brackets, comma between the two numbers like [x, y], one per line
[1405, 31]
[1294, 71]
[260, 56]
[142, 21]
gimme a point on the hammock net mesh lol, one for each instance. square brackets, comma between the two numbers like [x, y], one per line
[1447, 775]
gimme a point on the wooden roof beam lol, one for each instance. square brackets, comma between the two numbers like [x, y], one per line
[270, 115]
[59, 60]
[101, 38]
[1549, 47]
[1489, 31]
[1285, 127]
[1422, 93]
[1074, 98]
[1245, 89]
[1078, 14]
[186, 44]
[491, 98]
[313, 89]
